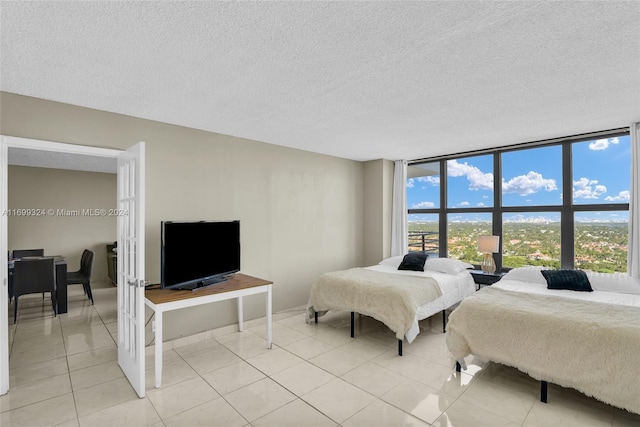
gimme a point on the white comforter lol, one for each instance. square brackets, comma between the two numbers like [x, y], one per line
[587, 341]
[454, 287]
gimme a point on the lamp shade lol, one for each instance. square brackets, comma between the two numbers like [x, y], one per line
[488, 244]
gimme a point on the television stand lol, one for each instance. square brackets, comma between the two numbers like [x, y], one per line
[238, 286]
[201, 285]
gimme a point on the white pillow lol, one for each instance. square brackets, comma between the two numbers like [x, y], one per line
[530, 274]
[446, 265]
[394, 261]
[614, 282]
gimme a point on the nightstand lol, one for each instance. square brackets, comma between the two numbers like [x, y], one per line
[485, 279]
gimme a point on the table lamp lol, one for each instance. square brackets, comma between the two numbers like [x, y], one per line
[489, 245]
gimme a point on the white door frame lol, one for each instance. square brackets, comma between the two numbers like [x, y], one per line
[7, 142]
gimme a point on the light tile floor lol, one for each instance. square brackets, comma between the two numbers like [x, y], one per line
[64, 372]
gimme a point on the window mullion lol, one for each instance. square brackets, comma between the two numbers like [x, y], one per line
[442, 222]
[567, 229]
[497, 206]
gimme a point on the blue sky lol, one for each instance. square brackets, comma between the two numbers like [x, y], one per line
[533, 177]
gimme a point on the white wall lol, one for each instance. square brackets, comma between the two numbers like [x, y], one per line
[301, 213]
[44, 189]
[378, 199]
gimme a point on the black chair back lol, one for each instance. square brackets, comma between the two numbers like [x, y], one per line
[21, 253]
[86, 263]
[83, 276]
[34, 276]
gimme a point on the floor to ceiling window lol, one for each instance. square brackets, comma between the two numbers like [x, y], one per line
[532, 184]
[560, 204]
[423, 200]
[601, 182]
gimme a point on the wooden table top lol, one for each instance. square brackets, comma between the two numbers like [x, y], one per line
[237, 282]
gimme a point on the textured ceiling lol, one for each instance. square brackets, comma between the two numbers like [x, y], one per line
[359, 80]
[56, 160]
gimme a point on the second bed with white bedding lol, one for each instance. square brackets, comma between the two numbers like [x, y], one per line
[588, 341]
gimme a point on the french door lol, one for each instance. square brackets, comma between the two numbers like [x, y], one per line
[131, 170]
[132, 359]
[4, 271]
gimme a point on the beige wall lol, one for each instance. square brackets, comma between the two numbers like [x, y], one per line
[59, 233]
[378, 194]
[301, 213]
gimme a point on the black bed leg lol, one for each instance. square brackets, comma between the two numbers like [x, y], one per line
[315, 316]
[399, 347]
[353, 321]
[444, 321]
[543, 391]
[458, 367]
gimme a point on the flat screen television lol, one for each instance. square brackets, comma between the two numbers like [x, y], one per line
[196, 254]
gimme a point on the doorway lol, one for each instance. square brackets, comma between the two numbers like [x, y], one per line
[64, 152]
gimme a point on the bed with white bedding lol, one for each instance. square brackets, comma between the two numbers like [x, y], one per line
[394, 297]
[589, 341]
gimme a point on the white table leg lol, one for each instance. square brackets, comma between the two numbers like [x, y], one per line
[240, 315]
[158, 348]
[269, 319]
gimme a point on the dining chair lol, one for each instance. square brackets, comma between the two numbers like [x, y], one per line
[34, 276]
[83, 276]
[21, 253]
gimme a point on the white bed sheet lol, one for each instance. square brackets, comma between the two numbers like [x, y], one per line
[595, 296]
[454, 287]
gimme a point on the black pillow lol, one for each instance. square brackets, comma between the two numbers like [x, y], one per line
[413, 261]
[573, 280]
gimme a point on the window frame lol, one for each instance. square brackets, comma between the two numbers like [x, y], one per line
[566, 209]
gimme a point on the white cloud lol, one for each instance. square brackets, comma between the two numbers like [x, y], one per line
[481, 205]
[530, 219]
[603, 144]
[477, 179]
[433, 180]
[464, 204]
[527, 184]
[586, 188]
[423, 205]
[622, 196]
